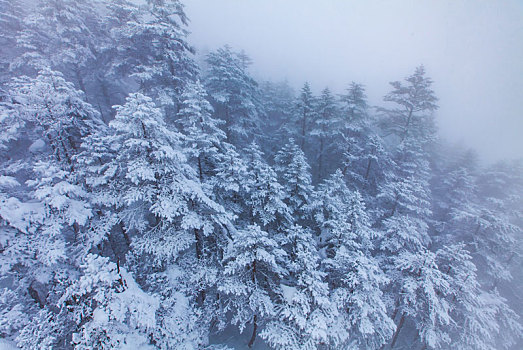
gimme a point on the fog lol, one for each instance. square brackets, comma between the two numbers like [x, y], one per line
[153, 198]
[473, 50]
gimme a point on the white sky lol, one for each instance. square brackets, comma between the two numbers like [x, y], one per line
[473, 50]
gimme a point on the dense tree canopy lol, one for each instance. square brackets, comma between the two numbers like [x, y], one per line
[150, 202]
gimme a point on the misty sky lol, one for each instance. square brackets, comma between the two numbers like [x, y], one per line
[472, 49]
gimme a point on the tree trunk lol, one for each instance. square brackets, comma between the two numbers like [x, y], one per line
[406, 130]
[395, 313]
[320, 159]
[107, 99]
[36, 296]
[125, 235]
[199, 254]
[398, 330]
[66, 154]
[346, 167]
[200, 170]
[303, 128]
[393, 317]
[227, 124]
[199, 244]
[114, 249]
[254, 327]
[368, 169]
[394, 209]
[81, 83]
[254, 320]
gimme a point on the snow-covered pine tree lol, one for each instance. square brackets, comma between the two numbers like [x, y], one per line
[54, 118]
[152, 48]
[234, 94]
[322, 128]
[304, 115]
[252, 293]
[328, 207]
[265, 205]
[498, 232]
[140, 146]
[39, 232]
[407, 189]
[354, 128]
[291, 165]
[355, 106]
[304, 313]
[203, 136]
[480, 318]
[420, 289]
[215, 161]
[354, 275]
[456, 208]
[27, 264]
[252, 277]
[414, 101]
[230, 182]
[406, 203]
[465, 213]
[141, 172]
[56, 110]
[422, 298]
[63, 35]
[44, 219]
[278, 101]
[108, 308]
[11, 19]
[404, 241]
[364, 157]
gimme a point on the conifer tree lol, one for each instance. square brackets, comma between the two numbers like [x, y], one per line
[57, 110]
[63, 35]
[407, 197]
[304, 313]
[252, 275]
[414, 103]
[292, 166]
[203, 136]
[234, 94]
[264, 201]
[160, 205]
[230, 185]
[11, 21]
[323, 127]
[365, 160]
[329, 209]
[497, 232]
[278, 100]
[355, 277]
[304, 115]
[43, 221]
[479, 317]
[152, 48]
[108, 307]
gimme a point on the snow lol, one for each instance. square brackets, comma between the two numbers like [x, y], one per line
[7, 345]
[190, 213]
[8, 181]
[288, 293]
[37, 146]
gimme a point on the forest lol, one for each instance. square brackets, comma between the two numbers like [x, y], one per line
[152, 200]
